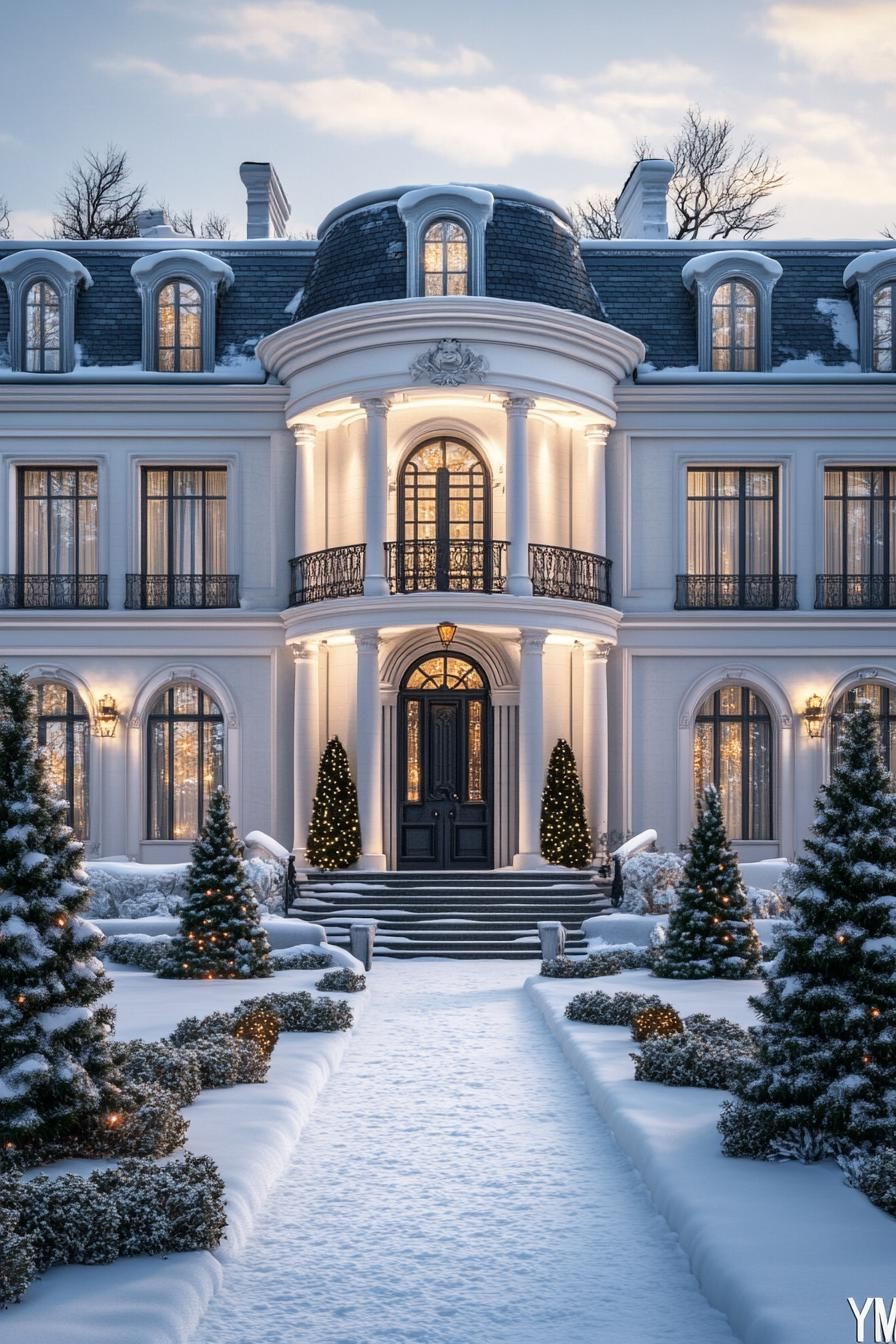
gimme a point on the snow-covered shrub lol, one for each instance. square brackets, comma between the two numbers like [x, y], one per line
[17, 1266]
[583, 968]
[767, 904]
[712, 1052]
[804, 1145]
[69, 1221]
[747, 1131]
[135, 890]
[137, 949]
[650, 883]
[301, 961]
[148, 1124]
[609, 1010]
[191, 1030]
[225, 1062]
[875, 1175]
[178, 1071]
[349, 982]
[659, 1020]
[301, 1011]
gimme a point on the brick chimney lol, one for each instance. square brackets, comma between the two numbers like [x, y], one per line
[267, 208]
[641, 205]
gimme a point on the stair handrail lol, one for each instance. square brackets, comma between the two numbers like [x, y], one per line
[643, 840]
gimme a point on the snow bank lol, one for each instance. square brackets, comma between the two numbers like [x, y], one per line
[614, 929]
[778, 1247]
[281, 932]
[134, 890]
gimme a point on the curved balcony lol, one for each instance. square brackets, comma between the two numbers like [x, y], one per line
[446, 566]
[558, 571]
[320, 576]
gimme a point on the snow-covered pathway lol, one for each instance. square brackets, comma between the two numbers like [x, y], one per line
[454, 1185]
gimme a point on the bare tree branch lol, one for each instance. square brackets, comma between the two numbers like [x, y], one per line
[97, 200]
[889, 232]
[5, 223]
[214, 225]
[595, 218]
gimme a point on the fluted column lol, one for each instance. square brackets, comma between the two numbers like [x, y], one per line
[531, 748]
[305, 436]
[376, 496]
[369, 748]
[596, 468]
[595, 728]
[517, 477]
[306, 743]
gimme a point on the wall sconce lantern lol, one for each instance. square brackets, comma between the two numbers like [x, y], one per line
[446, 632]
[813, 715]
[106, 718]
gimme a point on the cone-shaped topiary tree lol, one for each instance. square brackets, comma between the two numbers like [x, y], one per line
[827, 1042]
[334, 837]
[565, 835]
[220, 934]
[711, 931]
[56, 1072]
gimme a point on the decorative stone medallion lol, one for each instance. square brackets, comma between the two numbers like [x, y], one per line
[448, 363]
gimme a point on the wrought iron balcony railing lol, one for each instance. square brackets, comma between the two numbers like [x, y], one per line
[735, 592]
[557, 571]
[145, 592]
[446, 566]
[322, 575]
[54, 591]
[871, 591]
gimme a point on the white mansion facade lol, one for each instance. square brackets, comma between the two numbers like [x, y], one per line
[652, 485]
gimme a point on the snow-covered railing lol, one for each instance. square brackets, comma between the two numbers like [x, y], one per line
[264, 846]
[643, 840]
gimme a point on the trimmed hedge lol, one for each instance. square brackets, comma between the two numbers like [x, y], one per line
[345, 980]
[875, 1175]
[137, 949]
[610, 1010]
[582, 968]
[712, 1052]
[302, 961]
[298, 1011]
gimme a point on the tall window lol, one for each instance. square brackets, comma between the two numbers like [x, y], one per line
[184, 532]
[883, 704]
[859, 536]
[443, 523]
[57, 542]
[63, 730]
[185, 760]
[734, 327]
[732, 527]
[446, 259]
[882, 325]
[733, 751]
[42, 338]
[180, 328]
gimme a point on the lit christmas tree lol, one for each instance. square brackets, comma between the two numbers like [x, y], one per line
[56, 1071]
[334, 837]
[827, 1043]
[565, 834]
[711, 931]
[220, 934]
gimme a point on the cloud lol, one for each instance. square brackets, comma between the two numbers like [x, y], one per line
[30, 224]
[854, 41]
[830, 156]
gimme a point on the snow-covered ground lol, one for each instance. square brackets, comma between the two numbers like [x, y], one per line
[456, 1186]
[250, 1131]
[778, 1247]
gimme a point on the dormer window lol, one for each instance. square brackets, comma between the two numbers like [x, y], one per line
[42, 335]
[179, 289]
[42, 284]
[873, 276]
[882, 329]
[734, 327]
[733, 290]
[446, 259]
[180, 328]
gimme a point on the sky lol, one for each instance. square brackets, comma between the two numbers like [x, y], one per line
[346, 97]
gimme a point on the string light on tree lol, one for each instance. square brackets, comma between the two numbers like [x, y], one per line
[334, 837]
[565, 834]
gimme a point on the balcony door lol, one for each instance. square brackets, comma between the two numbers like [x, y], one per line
[184, 537]
[444, 519]
[732, 538]
[57, 558]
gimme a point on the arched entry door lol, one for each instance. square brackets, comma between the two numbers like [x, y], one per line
[444, 522]
[445, 776]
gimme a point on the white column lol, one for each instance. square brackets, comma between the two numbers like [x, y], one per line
[516, 475]
[531, 748]
[595, 725]
[305, 436]
[376, 496]
[596, 468]
[369, 748]
[306, 744]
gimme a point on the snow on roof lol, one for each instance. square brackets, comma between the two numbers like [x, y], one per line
[867, 263]
[698, 267]
[61, 261]
[145, 267]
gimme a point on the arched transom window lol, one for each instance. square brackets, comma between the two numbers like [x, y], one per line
[883, 705]
[734, 327]
[63, 730]
[180, 328]
[446, 259]
[443, 519]
[42, 332]
[733, 751]
[882, 325]
[443, 671]
[185, 760]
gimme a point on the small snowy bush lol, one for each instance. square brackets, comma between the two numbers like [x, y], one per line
[69, 1222]
[747, 1131]
[175, 1207]
[301, 1011]
[137, 949]
[225, 1061]
[17, 1264]
[345, 980]
[584, 968]
[766, 904]
[712, 1052]
[302, 961]
[650, 883]
[178, 1071]
[148, 1124]
[609, 1010]
[875, 1175]
[659, 1020]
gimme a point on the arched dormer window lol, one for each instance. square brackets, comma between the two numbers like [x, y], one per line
[733, 751]
[446, 239]
[42, 285]
[733, 290]
[873, 276]
[882, 326]
[178, 290]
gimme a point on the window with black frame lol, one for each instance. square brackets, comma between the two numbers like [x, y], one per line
[733, 540]
[733, 751]
[735, 327]
[859, 538]
[446, 259]
[184, 538]
[185, 760]
[63, 731]
[444, 519]
[179, 328]
[43, 347]
[58, 538]
[882, 700]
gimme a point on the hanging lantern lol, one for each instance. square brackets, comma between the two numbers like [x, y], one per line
[106, 718]
[446, 631]
[813, 715]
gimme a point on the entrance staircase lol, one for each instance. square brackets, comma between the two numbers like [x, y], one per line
[453, 914]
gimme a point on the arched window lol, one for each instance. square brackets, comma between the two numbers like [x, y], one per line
[185, 760]
[446, 259]
[63, 730]
[883, 704]
[882, 325]
[734, 327]
[733, 751]
[444, 525]
[180, 328]
[42, 329]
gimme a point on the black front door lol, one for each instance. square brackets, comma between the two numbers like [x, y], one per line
[444, 813]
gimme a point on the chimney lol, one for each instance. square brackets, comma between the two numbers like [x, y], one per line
[267, 208]
[154, 224]
[641, 205]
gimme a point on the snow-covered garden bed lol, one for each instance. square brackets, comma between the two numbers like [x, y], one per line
[778, 1247]
[124, 890]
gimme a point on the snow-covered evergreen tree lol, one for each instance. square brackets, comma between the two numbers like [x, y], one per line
[827, 1043]
[565, 835]
[711, 931]
[220, 935]
[56, 1071]
[334, 837]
